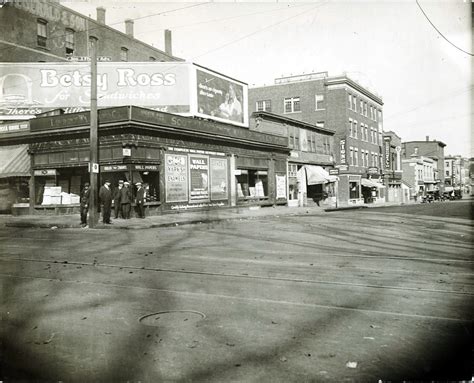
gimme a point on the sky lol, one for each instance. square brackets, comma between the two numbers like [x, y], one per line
[387, 46]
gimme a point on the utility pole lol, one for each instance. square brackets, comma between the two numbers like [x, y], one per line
[94, 163]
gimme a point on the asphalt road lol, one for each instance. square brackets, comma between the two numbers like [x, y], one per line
[352, 296]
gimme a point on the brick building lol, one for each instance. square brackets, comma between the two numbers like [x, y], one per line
[396, 191]
[433, 149]
[342, 105]
[45, 31]
[310, 162]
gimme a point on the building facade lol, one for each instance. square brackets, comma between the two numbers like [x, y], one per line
[396, 190]
[186, 163]
[46, 31]
[419, 175]
[433, 149]
[339, 104]
[310, 163]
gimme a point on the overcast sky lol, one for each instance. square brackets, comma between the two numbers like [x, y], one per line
[389, 47]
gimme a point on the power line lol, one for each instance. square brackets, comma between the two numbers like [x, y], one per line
[437, 30]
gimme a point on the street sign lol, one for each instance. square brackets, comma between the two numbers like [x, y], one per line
[88, 59]
[95, 168]
[333, 172]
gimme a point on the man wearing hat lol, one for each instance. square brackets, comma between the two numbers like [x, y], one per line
[105, 198]
[126, 199]
[140, 200]
[117, 203]
[84, 203]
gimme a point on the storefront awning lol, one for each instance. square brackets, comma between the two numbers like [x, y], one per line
[14, 161]
[317, 175]
[371, 184]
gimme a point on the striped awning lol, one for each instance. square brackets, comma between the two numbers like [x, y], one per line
[14, 161]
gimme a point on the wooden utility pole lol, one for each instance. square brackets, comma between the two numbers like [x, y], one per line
[94, 155]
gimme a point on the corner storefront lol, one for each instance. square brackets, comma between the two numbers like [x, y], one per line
[186, 163]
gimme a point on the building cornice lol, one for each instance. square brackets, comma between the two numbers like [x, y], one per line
[287, 120]
[343, 80]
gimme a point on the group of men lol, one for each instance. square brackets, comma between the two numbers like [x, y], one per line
[121, 197]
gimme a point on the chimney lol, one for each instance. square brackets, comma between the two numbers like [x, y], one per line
[168, 47]
[427, 138]
[101, 15]
[129, 27]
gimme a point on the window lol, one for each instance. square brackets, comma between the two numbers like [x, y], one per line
[355, 129]
[69, 41]
[362, 137]
[361, 107]
[353, 190]
[356, 157]
[366, 133]
[371, 113]
[264, 106]
[375, 114]
[293, 136]
[292, 170]
[151, 58]
[354, 103]
[351, 155]
[320, 102]
[124, 54]
[292, 105]
[42, 32]
[350, 101]
[365, 110]
[366, 158]
[371, 134]
[351, 130]
[252, 184]
[320, 123]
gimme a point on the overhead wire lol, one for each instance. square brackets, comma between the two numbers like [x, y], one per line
[439, 32]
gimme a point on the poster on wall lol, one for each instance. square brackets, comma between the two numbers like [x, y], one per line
[280, 186]
[176, 173]
[198, 178]
[221, 98]
[218, 178]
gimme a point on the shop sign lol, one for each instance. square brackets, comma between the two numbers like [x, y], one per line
[342, 168]
[45, 172]
[294, 154]
[342, 147]
[14, 127]
[126, 152]
[333, 172]
[387, 152]
[153, 168]
[280, 186]
[176, 172]
[113, 168]
[218, 178]
[198, 177]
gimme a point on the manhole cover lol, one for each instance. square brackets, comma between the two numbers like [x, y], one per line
[173, 317]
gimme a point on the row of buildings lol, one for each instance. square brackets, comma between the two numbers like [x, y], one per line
[212, 142]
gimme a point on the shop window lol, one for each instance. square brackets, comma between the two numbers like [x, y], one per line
[252, 184]
[354, 190]
[42, 32]
[69, 43]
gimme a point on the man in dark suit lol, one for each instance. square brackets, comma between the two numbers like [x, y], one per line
[105, 198]
[117, 203]
[126, 200]
[140, 200]
[84, 201]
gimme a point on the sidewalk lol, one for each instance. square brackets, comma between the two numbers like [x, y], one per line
[163, 220]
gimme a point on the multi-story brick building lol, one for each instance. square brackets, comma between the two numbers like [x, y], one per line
[433, 149]
[45, 31]
[419, 175]
[340, 104]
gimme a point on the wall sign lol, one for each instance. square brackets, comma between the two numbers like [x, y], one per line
[280, 186]
[198, 178]
[45, 172]
[342, 149]
[176, 173]
[113, 168]
[218, 178]
[387, 153]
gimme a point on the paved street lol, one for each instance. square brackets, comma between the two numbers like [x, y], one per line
[356, 295]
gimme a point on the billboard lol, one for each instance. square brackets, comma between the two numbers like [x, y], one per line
[28, 89]
[221, 98]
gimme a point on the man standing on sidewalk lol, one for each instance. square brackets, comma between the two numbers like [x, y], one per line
[84, 202]
[105, 198]
[126, 200]
[140, 200]
[117, 203]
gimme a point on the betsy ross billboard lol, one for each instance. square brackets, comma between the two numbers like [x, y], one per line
[27, 89]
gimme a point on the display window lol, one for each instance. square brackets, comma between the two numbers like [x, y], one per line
[252, 184]
[354, 190]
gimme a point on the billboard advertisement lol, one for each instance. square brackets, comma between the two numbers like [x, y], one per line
[221, 98]
[176, 177]
[27, 89]
[218, 178]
